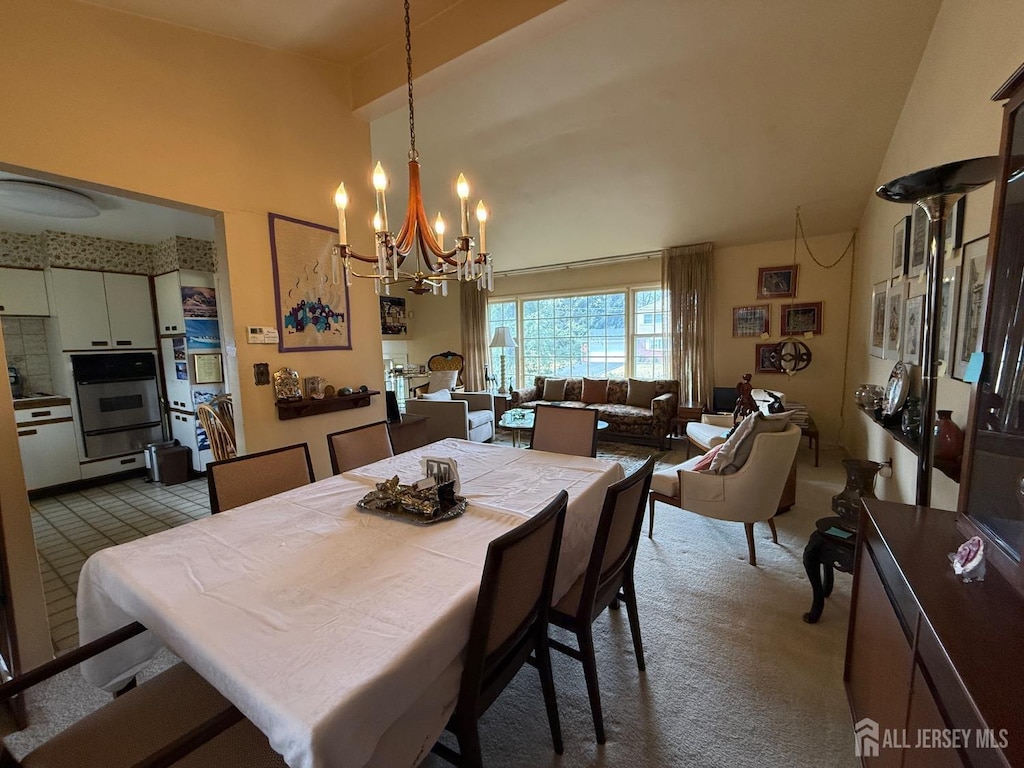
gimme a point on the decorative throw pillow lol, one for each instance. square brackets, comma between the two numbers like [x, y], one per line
[706, 459]
[595, 391]
[763, 423]
[554, 390]
[641, 393]
[444, 394]
[442, 380]
[722, 464]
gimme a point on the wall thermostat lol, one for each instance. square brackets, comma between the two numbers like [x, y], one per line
[259, 334]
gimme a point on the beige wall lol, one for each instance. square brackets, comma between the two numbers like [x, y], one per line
[948, 116]
[183, 116]
[736, 269]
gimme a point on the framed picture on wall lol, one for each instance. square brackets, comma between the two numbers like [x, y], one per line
[912, 330]
[777, 282]
[767, 359]
[894, 320]
[392, 316]
[918, 241]
[877, 338]
[972, 296]
[900, 247]
[751, 321]
[953, 234]
[947, 318]
[798, 319]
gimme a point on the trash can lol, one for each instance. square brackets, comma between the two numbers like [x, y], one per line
[152, 468]
[172, 464]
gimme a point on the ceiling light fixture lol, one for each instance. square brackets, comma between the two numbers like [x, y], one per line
[46, 200]
[432, 266]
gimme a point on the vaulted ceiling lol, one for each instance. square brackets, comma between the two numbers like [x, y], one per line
[600, 127]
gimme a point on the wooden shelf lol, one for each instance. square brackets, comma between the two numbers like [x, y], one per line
[950, 469]
[297, 409]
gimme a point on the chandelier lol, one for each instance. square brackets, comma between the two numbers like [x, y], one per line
[430, 266]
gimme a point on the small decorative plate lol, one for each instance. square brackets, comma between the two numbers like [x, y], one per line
[896, 390]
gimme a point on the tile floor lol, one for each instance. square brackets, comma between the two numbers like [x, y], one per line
[70, 527]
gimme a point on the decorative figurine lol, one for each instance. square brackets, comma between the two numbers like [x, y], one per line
[286, 385]
[745, 404]
[969, 560]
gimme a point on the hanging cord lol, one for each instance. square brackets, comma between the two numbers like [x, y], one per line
[413, 154]
[798, 231]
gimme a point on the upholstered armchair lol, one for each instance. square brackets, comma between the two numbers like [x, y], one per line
[468, 415]
[747, 496]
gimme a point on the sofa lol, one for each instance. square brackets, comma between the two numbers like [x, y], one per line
[627, 418]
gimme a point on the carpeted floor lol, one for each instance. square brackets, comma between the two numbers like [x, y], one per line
[734, 676]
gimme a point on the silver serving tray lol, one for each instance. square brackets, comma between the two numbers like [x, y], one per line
[401, 513]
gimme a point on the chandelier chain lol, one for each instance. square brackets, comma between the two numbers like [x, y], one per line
[413, 154]
[798, 233]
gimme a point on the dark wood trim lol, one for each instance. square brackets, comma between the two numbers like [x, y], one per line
[952, 470]
[1014, 83]
[31, 403]
[298, 409]
[31, 425]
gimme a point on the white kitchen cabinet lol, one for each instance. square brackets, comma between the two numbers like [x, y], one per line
[179, 391]
[129, 310]
[169, 310]
[23, 292]
[102, 310]
[183, 429]
[48, 452]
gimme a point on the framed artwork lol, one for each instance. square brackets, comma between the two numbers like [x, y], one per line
[198, 301]
[798, 319]
[953, 234]
[777, 282]
[209, 368]
[878, 328]
[918, 241]
[894, 320]
[751, 321]
[900, 247]
[972, 295]
[312, 310]
[947, 317]
[201, 333]
[912, 330]
[392, 316]
[767, 360]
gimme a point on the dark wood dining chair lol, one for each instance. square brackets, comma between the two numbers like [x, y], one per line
[238, 481]
[510, 627]
[562, 429]
[175, 718]
[607, 579]
[351, 448]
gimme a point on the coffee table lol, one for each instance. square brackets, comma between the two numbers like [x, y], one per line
[521, 420]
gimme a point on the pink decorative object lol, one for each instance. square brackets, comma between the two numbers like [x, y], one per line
[969, 560]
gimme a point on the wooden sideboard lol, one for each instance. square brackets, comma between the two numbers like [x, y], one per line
[927, 653]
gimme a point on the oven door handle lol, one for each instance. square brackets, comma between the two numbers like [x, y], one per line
[126, 428]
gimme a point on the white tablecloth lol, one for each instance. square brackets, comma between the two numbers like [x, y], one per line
[338, 633]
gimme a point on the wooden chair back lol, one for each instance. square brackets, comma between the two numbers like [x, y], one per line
[225, 408]
[222, 440]
[238, 481]
[351, 448]
[560, 429]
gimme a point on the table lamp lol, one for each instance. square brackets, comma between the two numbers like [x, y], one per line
[502, 340]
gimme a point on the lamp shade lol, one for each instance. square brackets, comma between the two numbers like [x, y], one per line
[502, 337]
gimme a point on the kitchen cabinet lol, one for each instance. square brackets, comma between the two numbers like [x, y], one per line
[183, 429]
[46, 440]
[102, 310]
[23, 292]
[169, 309]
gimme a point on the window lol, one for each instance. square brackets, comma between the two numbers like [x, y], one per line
[613, 334]
[502, 313]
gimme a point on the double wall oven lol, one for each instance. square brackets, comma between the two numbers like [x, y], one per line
[118, 402]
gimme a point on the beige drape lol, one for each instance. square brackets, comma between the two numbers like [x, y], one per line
[474, 335]
[686, 273]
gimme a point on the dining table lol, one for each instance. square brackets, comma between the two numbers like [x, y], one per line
[340, 633]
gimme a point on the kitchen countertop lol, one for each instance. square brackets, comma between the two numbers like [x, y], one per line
[40, 401]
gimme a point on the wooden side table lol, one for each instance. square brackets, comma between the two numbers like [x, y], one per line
[686, 413]
[810, 431]
[830, 547]
[502, 403]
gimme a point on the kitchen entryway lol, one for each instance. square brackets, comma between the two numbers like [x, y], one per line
[70, 527]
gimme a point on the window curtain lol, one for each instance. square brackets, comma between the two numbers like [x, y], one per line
[686, 273]
[474, 335]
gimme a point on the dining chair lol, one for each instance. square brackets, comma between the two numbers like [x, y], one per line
[445, 373]
[561, 429]
[222, 441]
[351, 448]
[234, 482]
[176, 718]
[607, 579]
[225, 408]
[510, 627]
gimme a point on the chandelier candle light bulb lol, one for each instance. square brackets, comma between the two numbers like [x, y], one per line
[380, 183]
[462, 190]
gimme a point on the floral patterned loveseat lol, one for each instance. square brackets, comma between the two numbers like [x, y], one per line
[632, 422]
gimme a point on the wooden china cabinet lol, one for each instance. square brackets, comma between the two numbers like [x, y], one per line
[927, 655]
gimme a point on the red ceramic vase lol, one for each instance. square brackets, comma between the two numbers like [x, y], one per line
[949, 438]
